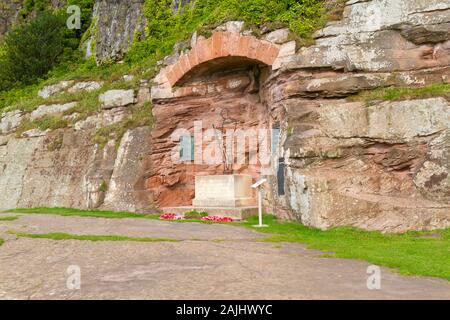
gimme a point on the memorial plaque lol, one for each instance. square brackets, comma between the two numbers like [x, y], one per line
[223, 191]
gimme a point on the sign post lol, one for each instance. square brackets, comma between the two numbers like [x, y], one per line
[258, 185]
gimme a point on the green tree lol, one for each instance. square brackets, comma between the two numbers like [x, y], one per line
[31, 50]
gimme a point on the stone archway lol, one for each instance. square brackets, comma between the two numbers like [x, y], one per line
[219, 74]
[220, 46]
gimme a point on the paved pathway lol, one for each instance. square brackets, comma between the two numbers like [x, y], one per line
[212, 262]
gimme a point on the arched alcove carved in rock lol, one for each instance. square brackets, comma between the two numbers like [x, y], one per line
[220, 45]
[218, 78]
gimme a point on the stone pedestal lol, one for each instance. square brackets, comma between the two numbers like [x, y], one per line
[232, 190]
[223, 195]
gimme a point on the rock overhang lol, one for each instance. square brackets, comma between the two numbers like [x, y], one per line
[208, 55]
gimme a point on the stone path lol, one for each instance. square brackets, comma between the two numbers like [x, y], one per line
[212, 262]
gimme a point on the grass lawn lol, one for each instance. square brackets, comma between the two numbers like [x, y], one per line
[8, 218]
[67, 236]
[85, 213]
[411, 253]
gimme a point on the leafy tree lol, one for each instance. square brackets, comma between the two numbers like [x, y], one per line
[31, 50]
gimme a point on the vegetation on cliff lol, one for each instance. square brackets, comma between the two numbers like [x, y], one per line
[22, 75]
[40, 43]
[166, 26]
[32, 50]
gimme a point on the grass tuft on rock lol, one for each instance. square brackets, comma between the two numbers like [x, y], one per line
[404, 93]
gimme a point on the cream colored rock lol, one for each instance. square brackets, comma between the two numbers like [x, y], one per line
[231, 26]
[9, 121]
[48, 91]
[278, 36]
[403, 120]
[408, 119]
[123, 192]
[33, 133]
[85, 86]
[370, 37]
[53, 109]
[117, 98]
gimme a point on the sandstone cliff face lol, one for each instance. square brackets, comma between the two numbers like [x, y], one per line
[374, 165]
[115, 24]
[377, 165]
[9, 14]
[65, 167]
[33, 174]
[232, 104]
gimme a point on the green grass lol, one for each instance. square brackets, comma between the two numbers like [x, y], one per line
[67, 212]
[8, 218]
[405, 93]
[1, 241]
[411, 253]
[195, 215]
[67, 236]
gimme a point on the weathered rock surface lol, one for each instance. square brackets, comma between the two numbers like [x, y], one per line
[433, 178]
[231, 26]
[33, 133]
[46, 110]
[117, 98]
[9, 14]
[394, 121]
[378, 165]
[117, 23]
[85, 86]
[103, 119]
[382, 35]
[278, 36]
[126, 190]
[62, 168]
[10, 121]
[59, 87]
[15, 158]
[381, 166]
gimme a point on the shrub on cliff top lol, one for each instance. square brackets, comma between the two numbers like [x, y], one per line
[33, 49]
[165, 28]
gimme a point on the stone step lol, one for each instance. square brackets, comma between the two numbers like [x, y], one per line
[237, 213]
